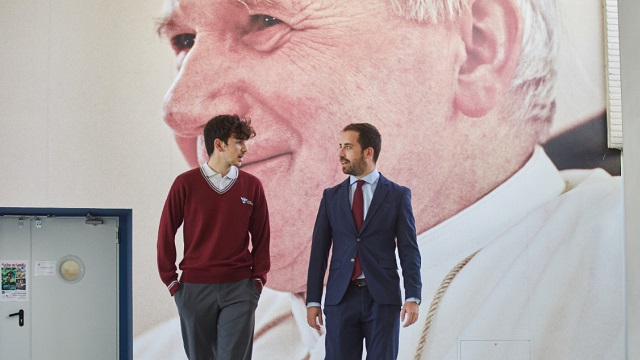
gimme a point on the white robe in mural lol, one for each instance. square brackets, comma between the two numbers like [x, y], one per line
[546, 281]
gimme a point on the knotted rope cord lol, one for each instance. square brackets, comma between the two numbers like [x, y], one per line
[436, 300]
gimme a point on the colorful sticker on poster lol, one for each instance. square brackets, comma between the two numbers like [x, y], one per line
[14, 280]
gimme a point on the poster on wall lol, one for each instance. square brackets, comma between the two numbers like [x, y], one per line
[14, 280]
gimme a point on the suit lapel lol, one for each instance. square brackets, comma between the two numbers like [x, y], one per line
[345, 204]
[382, 189]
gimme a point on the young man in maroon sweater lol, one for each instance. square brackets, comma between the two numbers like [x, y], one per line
[221, 210]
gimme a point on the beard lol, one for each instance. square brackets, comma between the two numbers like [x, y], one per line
[356, 167]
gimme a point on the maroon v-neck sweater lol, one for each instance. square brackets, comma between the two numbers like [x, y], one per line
[217, 228]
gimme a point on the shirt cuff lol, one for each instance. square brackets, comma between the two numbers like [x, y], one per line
[413, 299]
[313, 304]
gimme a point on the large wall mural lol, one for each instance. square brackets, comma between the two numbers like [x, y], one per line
[492, 112]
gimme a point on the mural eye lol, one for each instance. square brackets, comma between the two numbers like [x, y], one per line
[265, 33]
[183, 42]
[260, 22]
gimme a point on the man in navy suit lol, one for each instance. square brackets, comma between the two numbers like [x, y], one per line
[363, 298]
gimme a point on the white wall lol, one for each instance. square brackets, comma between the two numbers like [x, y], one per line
[629, 11]
[81, 90]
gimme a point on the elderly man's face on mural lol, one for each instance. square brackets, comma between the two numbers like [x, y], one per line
[302, 70]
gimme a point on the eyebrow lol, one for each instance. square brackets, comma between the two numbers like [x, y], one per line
[167, 22]
[164, 24]
[256, 3]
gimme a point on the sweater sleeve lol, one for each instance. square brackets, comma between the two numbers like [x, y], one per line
[170, 221]
[260, 236]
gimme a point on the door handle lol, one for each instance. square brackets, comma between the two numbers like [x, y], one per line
[20, 315]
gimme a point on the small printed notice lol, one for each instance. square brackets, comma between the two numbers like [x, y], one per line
[45, 268]
[14, 280]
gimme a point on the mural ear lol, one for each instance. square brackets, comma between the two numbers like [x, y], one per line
[492, 35]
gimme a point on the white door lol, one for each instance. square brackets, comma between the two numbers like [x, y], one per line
[15, 246]
[66, 275]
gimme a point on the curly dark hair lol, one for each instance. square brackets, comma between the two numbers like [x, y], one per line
[223, 127]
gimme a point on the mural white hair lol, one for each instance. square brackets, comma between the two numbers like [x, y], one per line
[431, 10]
[531, 96]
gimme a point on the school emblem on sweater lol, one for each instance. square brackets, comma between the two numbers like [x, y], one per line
[246, 201]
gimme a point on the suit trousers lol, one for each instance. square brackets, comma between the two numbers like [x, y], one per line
[359, 317]
[217, 320]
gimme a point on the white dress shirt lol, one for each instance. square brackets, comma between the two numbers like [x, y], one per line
[368, 188]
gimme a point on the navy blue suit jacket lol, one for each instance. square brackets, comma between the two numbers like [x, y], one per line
[389, 217]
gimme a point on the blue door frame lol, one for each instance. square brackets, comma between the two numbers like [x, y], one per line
[125, 233]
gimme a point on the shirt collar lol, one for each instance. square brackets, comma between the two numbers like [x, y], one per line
[370, 178]
[209, 172]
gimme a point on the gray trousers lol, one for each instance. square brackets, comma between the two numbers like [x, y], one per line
[217, 320]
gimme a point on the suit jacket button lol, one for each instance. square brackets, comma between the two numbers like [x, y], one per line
[358, 239]
[353, 260]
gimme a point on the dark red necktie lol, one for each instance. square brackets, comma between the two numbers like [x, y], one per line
[357, 209]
